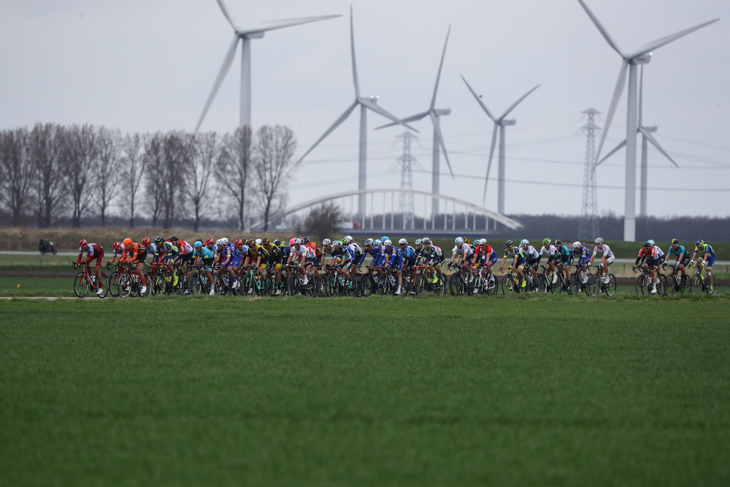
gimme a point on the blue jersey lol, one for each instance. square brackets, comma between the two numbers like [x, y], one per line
[375, 252]
[582, 253]
[409, 253]
[284, 252]
[203, 253]
[393, 254]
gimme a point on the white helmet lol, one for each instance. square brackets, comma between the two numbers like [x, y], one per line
[483, 241]
[258, 241]
[377, 242]
[298, 241]
[219, 241]
[388, 243]
[402, 241]
[348, 238]
[524, 242]
[459, 241]
[599, 240]
[651, 242]
[224, 241]
[326, 241]
[576, 245]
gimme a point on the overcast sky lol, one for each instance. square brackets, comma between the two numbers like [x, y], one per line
[148, 65]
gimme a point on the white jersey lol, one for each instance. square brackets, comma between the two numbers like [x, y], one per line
[551, 250]
[604, 250]
[463, 249]
[355, 248]
[302, 251]
[531, 253]
[658, 253]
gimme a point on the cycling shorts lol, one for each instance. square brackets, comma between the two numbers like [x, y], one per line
[396, 264]
[492, 258]
[469, 260]
[186, 258]
[531, 262]
[99, 257]
[552, 259]
[684, 260]
[409, 262]
[142, 256]
[582, 262]
[709, 262]
[207, 264]
[567, 261]
[346, 264]
[653, 263]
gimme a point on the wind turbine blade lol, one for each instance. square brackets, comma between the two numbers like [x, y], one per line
[354, 63]
[641, 98]
[280, 24]
[337, 123]
[654, 142]
[372, 106]
[479, 100]
[412, 118]
[437, 127]
[489, 165]
[441, 64]
[601, 28]
[227, 15]
[614, 103]
[227, 62]
[615, 150]
[666, 40]
[512, 107]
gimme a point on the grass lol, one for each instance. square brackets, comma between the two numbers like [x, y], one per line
[365, 392]
[30, 286]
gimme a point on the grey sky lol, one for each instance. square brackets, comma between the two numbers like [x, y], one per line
[144, 65]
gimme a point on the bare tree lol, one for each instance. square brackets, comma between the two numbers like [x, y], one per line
[108, 171]
[16, 174]
[233, 166]
[79, 159]
[273, 164]
[45, 148]
[201, 161]
[175, 162]
[134, 161]
[154, 161]
[324, 220]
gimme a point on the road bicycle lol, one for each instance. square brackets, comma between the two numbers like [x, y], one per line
[600, 283]
[425, 281]
[578, 285]
[459, 284]
[563, 284]
[544, 283]
[644, 283]
[513, 283]
[677, 283]
[702, 283]
[130, 284]
[86, 279]
[482, 284]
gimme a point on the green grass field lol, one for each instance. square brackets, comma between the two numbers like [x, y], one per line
[449, 391]
[30, 286]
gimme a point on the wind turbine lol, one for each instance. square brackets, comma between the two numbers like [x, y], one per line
[645, 137]
[245, 36]
[438, 139]
[499, 124]
[365, 105]
[630, 61]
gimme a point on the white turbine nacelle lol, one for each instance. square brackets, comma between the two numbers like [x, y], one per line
[374, 98]
[645, 59]
[508, 123]
[441, 112]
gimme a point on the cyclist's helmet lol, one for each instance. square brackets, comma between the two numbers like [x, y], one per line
[700, 244]
[159, 240]
[459, 241]
[238, 243]
[647, 245]
[83, 243]
[484, 241]
[209, 242]
[368, 242]
[558, 242]
[116, 246]
[244, 249]
[326, 242]
[599, 240]
[298, 241]
[258, 241]
[292, 241]
[305, 240]
[388, 243]
[546, 241]
[346, 240]
[127, 241]
[576, 245]
[509, 243]
[174, 238]
[198, 244]
[402, 242]
[224, 240]
[426, 241]
[277, 243]
[419, 241]
[652, 243]
[266, 241]
[525, 242]
[337, 243]
[675, 242]
[377, 242]
[146, 241]
[466, 240]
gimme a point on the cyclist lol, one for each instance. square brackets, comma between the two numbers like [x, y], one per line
[409, 257]
[566, 258]
[356, 249]
[553, 256]
[394, 260]
[186, 254]
[532, 257]
[204, 257]
[518, 260]
[304, 254]
[117, 251]
[343, 255]
[135, 255]
[262, 258]
[95, 252]
[647, 256]
[434, 258]
[607, 258]
[226, 257]
[158, 252]
[582, 254]
[683, 258]
[171, 255]
[705, 252]
[275, 260]
[487, 257]
[462, 252]
[376, 253]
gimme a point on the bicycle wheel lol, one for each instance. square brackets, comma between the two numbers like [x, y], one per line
[124, 286]
[640, 289]
[105, 289]
[610, 287]
[147, 287]
[686, 284]
[711, 288]
[453, 283]
[112, 283]
[507, 285]
[81, 285]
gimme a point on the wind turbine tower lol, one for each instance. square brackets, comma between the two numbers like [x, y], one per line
[244, 36]
[629, 62]
[589, 214]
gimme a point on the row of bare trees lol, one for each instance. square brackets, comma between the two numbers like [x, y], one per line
[54, 172]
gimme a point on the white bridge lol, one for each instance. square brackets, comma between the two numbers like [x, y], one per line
[467, 214]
